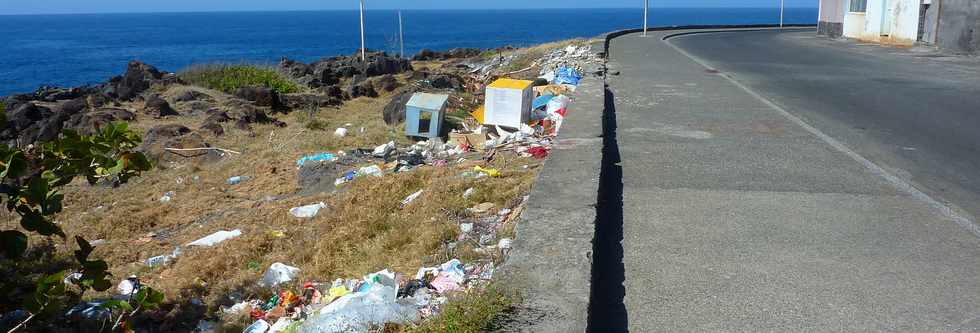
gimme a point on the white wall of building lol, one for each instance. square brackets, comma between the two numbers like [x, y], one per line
[886, 21]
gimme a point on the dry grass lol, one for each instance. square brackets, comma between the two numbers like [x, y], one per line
[365, 229]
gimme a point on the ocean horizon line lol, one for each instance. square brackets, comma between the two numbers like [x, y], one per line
[395, 9]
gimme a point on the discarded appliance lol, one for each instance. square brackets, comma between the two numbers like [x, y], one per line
[424, 114]
[508, 103]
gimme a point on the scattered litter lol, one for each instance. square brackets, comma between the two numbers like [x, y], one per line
[238, 180]
[128, 286]
[504, 212]
[167, 197]
[321, 157]
[411, 197]
[372, 170]
[487, 171]
[307, 211]
[277, 274]
[216, 238]
[340, 132]
[505, 243]
[466, 228]
[163, 259]
[567, 75]
[538, 152]
[424, 115]
[482, 208]
[468, 193]
[508, 103]
[259, 326]
[382, 151]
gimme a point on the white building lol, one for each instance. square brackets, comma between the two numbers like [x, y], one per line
[953, 25]
[883, 21]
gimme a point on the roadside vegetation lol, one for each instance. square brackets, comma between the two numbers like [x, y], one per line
[229, 78]
[473, 312]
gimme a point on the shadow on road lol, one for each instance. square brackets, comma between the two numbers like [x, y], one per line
[607, 312]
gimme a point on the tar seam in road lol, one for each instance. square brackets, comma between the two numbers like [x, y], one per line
[902, 185]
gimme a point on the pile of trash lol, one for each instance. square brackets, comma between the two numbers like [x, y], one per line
[572, 56]
[519, 117]
[356, 305]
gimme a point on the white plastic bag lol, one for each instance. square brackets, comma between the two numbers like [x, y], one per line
[215, 238]
[307, 211]
[277, 274]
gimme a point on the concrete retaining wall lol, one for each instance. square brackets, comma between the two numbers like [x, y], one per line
[959, 26]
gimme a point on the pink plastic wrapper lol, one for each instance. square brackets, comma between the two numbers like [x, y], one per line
[444, 283]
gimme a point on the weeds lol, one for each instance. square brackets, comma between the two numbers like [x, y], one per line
[469, 313]
[229, 78]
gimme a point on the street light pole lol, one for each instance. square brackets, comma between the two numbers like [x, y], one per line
[646, 9]
[782, 6]
[401, 34]
[363, 52]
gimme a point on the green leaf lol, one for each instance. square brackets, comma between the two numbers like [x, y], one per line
[15, 166]
[148, 298]
[116, 304]
[14, 243]
[48, 288]
[37, 190]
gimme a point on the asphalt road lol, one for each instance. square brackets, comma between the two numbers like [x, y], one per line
[775, 201]
[915, 113]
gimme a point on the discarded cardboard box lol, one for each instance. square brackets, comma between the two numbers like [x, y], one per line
[508, 103]
[474, 140]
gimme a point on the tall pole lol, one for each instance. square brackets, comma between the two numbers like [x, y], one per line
[782, 6]
[363, 52]
[646, 8]
[401, 34]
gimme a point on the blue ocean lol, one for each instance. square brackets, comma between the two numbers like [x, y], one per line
[71, 50]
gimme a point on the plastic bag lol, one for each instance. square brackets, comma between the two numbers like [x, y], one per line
[307, 211]
[567, 75]
[277, 274]
[215, 238]
[321, 157]
[375, 303]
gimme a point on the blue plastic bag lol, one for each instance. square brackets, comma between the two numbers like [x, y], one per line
[322, 157]
[567, 75]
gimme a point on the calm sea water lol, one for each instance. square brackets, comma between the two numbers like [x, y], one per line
[71, 50]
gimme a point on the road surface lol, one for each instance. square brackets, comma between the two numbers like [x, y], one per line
[916, 114]
[748, 201]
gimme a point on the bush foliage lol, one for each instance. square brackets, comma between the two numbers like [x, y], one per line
[229, 78]
[30, 182]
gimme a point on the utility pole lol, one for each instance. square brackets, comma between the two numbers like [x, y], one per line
[363, 52]
[401, 34]
[646, 9]
[782, 8]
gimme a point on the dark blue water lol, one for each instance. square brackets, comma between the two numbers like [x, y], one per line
[71, 50]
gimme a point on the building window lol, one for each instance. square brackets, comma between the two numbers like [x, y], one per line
[859, 6]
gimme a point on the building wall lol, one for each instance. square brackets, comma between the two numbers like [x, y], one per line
[959, 26]
[901, 17]
[831, 21]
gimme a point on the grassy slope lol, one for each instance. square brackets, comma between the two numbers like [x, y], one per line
[364, 229]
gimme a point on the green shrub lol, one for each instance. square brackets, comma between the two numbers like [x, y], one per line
[229, 78]
[3, 113]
